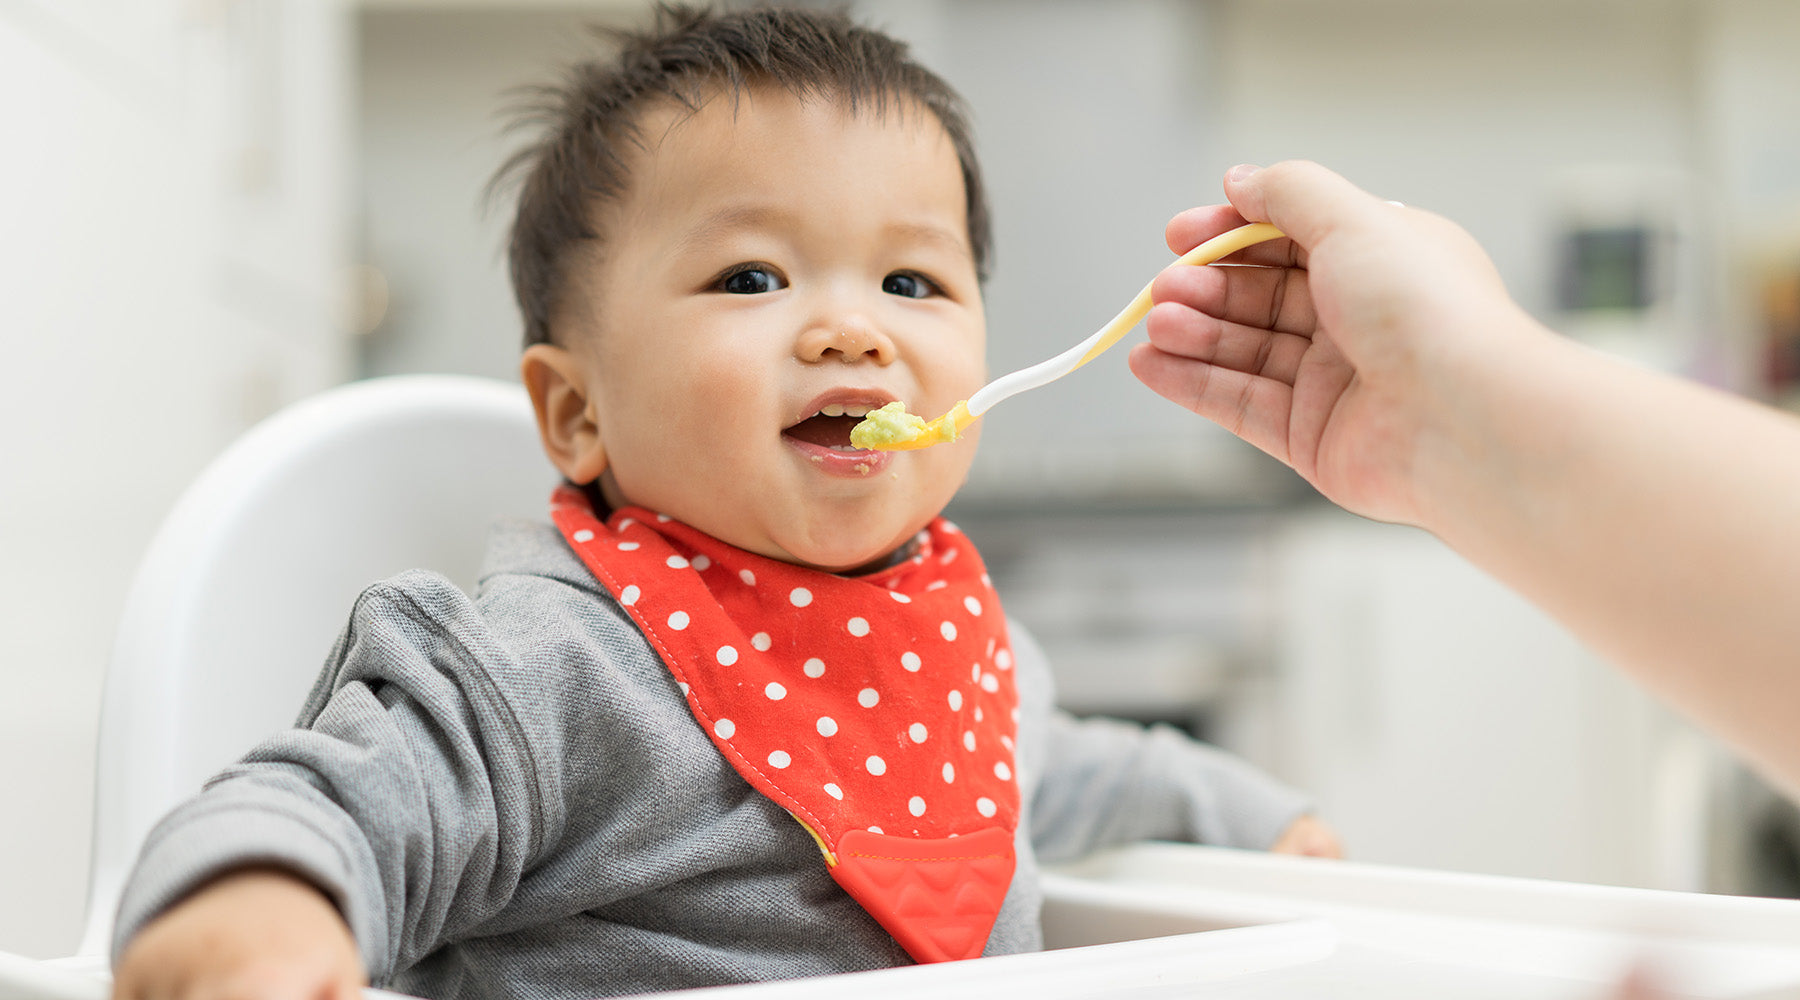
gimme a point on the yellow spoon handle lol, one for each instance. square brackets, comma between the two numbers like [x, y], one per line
[1223, 245]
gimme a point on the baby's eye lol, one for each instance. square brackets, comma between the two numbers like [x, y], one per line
[908, 285]
[750, 280]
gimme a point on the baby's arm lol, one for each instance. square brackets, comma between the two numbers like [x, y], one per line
[411, 797]
[1099, 783]
[1106, 782]
[255, 932]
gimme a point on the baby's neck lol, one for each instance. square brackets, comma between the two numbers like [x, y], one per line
[888, 561]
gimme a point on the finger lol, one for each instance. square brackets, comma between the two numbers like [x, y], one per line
[1639, 984]
[1195, 226]
[1304, 200]
[1248, 349]
[1250, 406]
[1274, 298]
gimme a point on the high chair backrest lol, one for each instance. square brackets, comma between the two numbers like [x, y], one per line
[249, 579]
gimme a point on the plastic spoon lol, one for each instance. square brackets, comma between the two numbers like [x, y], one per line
[891, 428]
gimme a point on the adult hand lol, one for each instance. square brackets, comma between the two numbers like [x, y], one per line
[1332, 354]
[1376, 352]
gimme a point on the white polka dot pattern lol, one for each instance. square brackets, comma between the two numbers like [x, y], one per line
[843, 699]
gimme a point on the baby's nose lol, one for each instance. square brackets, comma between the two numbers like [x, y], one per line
[849, 341]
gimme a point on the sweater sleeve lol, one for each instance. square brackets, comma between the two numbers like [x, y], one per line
[411, 791]
[1104, 782]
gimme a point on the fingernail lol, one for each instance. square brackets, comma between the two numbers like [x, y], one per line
[1241, 172]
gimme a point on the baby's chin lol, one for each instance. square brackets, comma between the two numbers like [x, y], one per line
[846, 550]
[844, 542]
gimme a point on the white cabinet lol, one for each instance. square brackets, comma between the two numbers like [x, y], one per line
[1445, 723]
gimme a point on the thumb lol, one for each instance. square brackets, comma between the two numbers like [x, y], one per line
[1303, 200]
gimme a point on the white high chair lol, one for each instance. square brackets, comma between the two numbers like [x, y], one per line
[254, 571]
[251, 576]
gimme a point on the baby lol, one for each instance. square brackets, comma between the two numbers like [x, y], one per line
[748, 699]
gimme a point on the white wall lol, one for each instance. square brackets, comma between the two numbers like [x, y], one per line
[1469, 109]
[433, 90]
[162, 284]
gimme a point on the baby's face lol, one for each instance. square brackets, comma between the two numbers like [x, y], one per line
[773, 263]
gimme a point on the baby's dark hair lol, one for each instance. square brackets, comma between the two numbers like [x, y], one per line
[687, 56]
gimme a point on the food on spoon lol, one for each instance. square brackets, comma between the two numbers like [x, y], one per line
[888, 426]
[891, 428]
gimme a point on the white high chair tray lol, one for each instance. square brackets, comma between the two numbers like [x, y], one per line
[1164, 920]
[1247, 925]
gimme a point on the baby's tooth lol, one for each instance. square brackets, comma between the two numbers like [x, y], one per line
[856, 411]
[831, 410]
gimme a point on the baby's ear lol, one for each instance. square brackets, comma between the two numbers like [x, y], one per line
[567, 420]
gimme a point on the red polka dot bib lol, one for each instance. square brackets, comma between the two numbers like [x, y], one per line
[879, 710]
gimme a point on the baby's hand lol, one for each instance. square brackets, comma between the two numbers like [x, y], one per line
[1309, 837]
[258, 934]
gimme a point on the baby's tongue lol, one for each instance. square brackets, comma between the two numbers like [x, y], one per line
[827, 432]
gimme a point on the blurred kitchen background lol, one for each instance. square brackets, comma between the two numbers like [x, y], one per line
[212, 208]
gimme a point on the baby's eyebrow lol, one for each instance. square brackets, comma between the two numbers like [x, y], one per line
[741, 218]
[930, 233]
[726, 221]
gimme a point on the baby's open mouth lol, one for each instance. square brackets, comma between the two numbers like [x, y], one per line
[830, 427]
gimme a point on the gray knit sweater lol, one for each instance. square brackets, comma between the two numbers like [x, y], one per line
[508, 797]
